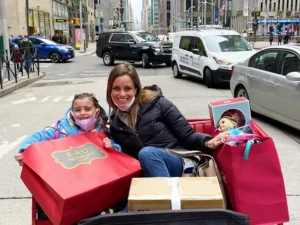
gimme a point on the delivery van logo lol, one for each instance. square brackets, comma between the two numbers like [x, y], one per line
[76, 156]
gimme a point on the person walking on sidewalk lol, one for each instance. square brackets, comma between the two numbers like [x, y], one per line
[286, 38]
[27, 50]
[271, 39]
[279, 38]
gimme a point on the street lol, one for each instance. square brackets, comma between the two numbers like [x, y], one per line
[42, 103]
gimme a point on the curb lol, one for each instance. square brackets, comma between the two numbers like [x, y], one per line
[20, 84]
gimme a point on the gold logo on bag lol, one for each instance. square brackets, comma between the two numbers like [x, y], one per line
[76, 156]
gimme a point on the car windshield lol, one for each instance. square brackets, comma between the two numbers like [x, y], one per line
[226, 43]
[147, 37]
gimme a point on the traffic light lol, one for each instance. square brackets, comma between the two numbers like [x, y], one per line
[75, 21]
[255, 13]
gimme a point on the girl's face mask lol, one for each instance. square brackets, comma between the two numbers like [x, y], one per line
[87, 124]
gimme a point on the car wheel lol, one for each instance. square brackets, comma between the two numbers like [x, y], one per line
[241, 92]
[168, 64]
[145, 60]
[55, 57]
[176, 72]
[208, 78]
[108, 60]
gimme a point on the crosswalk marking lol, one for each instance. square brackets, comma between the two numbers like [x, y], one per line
[45, 99]
[57, 99]
[42, 65]
[70, 99]
[5, 146]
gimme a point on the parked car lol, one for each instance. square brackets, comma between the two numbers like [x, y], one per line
[270, 79]
[133, 47]
[208, 54]
[50, 50]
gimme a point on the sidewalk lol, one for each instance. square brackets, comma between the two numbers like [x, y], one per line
[262, 44]
[10, 86]
[89, 51]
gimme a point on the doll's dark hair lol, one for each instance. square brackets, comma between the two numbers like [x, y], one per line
[103, 117]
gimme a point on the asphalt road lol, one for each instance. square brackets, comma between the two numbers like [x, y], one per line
[33, 107]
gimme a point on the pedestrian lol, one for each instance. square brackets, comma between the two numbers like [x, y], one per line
[279, 38]
[85, 115]
[286, 38]
[27, 50]
[55, 38]
[271, 39]
[145, 123]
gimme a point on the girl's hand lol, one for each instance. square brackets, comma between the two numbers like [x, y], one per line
[218, 140]
[19, 159]
[107, 143]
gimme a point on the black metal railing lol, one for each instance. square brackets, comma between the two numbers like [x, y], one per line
[21, 62]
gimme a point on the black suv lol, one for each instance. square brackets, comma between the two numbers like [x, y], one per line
[133, 47]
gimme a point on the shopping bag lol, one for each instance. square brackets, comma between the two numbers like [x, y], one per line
[254, 186]
[76, 177]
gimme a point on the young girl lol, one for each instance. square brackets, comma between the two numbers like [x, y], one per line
[85, 115]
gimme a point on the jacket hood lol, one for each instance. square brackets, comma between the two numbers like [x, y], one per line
[159, 95]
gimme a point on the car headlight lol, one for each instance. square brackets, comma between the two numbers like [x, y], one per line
[222, 62]
[157, 49]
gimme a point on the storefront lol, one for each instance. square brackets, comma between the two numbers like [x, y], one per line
[282, 25]
[39, 23]
[61, 20]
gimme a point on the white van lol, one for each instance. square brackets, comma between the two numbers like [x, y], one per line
[208, 54]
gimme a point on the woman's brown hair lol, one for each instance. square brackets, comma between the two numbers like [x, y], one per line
[103, 117]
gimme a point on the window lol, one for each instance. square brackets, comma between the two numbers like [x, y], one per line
[35, 41]
[168, 5]
[128, 38]
[264, 61]
[117, 37]
[227, 43]
[289, 62]
[185, 43]
[198, 44]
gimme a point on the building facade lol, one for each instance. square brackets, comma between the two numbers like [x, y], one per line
[155, 16]
[275, 15]
[165, 16]
[48, 17]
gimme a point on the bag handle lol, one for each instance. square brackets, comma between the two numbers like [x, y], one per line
[248, 147]
[56, 132]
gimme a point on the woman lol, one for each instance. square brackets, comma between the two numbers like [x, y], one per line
[145, 123]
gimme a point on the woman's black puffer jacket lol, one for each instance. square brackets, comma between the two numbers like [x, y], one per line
[159, 124]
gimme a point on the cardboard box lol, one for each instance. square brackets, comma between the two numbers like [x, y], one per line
[239, 105]
[154, 194]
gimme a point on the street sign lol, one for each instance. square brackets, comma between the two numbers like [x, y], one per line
[255, 13]
[60, 20]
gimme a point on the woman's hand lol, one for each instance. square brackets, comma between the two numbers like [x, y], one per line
[218, 140]
[107, 143]
[19, 159]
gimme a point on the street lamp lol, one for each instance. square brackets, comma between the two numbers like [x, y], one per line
[192, 7]
[81, 49]
[204, 16]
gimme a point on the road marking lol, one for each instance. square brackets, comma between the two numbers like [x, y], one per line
[27, 99]
[57, 99]
[46, 66]
[5, 146]
[70, 99]
[15, 125]
[45, 99]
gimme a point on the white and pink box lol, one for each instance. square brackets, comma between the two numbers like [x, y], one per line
[240, 106]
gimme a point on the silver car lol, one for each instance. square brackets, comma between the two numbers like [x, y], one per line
[270, 79]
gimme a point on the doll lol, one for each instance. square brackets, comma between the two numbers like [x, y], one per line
[226, 122]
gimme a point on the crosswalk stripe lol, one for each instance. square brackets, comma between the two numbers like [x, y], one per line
[70, 99]
[57, 99]
[45, 99]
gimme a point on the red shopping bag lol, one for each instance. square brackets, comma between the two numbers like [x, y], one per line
[76, 177]
[254, 186]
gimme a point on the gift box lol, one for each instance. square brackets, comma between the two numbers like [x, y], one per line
[239, 106]
[154, 194]
[76, 177]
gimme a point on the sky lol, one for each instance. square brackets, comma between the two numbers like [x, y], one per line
[137, 8]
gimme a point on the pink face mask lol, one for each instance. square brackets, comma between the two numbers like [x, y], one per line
[87, 124]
